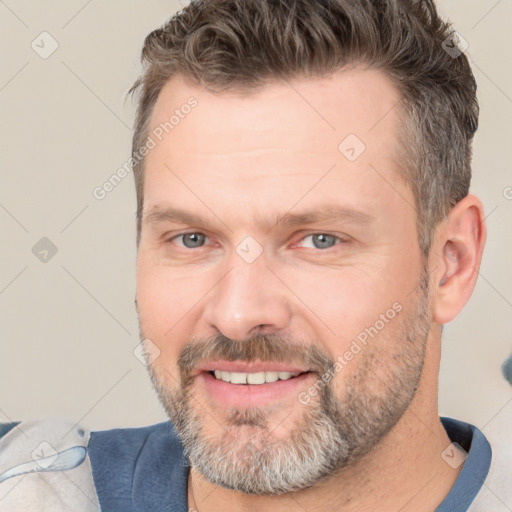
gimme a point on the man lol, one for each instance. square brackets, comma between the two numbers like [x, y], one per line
[304, 232]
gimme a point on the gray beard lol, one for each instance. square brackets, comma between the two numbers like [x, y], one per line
[332, 434]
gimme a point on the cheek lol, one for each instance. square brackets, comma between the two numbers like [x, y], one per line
[168, 307]
[372, 354]
[342, 302]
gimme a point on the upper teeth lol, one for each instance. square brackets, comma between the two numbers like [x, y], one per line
[253, 378]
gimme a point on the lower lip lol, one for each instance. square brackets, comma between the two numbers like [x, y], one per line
[248, 395]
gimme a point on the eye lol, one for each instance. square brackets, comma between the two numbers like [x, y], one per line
[191, 240]
[319, 241]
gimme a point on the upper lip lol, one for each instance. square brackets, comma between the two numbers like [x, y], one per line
[248, 367]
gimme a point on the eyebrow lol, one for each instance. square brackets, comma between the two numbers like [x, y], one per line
[158, 215]
[326, 213]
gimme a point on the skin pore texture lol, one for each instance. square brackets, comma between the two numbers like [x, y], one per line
[263, 244]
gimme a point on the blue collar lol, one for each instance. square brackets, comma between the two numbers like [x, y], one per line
[139, 469]
[475, 469]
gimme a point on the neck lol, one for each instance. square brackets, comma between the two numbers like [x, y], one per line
[403, 472]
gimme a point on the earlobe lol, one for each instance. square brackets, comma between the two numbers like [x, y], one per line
[459, 244]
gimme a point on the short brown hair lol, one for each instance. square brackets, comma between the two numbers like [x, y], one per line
[242, 44]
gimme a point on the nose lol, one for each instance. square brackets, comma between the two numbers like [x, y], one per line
[249, 300]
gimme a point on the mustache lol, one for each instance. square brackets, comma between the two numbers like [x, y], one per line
[267, 348]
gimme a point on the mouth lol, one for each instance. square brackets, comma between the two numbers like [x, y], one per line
[227, 385]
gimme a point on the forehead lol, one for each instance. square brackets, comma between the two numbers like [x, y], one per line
[273, 144]
[356, 101]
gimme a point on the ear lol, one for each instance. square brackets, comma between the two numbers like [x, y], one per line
[458, 250]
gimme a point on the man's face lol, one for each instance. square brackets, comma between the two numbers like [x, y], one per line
[274, 241]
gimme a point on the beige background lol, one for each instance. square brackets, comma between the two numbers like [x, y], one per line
[68, 326]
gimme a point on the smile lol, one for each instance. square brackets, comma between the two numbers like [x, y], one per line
[253, 378]
[252, 389]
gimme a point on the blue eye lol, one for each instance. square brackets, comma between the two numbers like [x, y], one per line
[192, 240]
[320, 241]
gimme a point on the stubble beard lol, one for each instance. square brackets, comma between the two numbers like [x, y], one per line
[332, 433]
